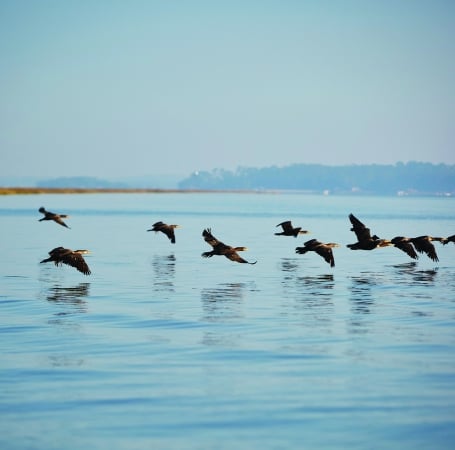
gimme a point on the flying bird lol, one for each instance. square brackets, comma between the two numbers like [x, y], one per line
[289, 230]
[364, 239]
[168, 230]
[52, 216]
[424, 244]
[324, 250]
[219, 248]
[405, 245]
[73, 258]
[449, 239]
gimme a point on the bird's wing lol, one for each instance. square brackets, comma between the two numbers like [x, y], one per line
[59, 220]
[423, 245]
[234, 256]
[210, 239]
[326, 253]
[360, 230]
[158, 224]
[169, 232]
[287, 226]
[76, 260]
[405, 246]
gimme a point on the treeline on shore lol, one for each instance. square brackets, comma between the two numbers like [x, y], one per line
[413, 178]
[401, 178]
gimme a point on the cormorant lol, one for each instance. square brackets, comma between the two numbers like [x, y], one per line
[52, 216]
[289, 230]
[324, 250]
[60, 255]
[423, 244]
[168, 230]
[364, 238]
[449, 239]
[219, 248]
[405, 245]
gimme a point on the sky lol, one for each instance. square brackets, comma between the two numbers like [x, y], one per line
[111, 88]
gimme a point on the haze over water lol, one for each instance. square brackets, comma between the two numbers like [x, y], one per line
[160, 348]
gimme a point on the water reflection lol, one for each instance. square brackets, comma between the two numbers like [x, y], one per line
[164, 272]
[319, 284]
[410, 272]
[288, 265]
[222, 304]
[70, 301]
[311, 296]
[362, 301]
[65, 361]
[72, 296]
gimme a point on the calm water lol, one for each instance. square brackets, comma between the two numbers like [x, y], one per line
[160, 348]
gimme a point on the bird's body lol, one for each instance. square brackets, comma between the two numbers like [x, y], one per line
[168, 230]
[52, 216]
[219, 248]
[289, 230]
[324, 250]
[73, 258]
[364, 239]
[424, 244]
[405, 245]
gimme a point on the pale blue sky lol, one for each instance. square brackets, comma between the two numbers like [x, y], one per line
[121, 88]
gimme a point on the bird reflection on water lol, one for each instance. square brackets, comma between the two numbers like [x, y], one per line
[70, 301]
[164, 272]
[223, 304]
[361, 297]
[316, 291]
[309, 295]
[73, 296]
[410, 272]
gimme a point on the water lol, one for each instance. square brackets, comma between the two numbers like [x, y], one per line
[160, 348]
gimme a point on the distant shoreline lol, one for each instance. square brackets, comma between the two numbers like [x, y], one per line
[34, 191]
[38, 190]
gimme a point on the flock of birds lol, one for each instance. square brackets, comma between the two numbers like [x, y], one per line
[365, 241]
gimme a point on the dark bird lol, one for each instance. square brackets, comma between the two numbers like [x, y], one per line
[289, 230]
[168, 230]
[449, 239]
[219, 248]
[324, 250]
[424, 244]
[364, 239]
[52, 216]
[405, 245]
[73, 258]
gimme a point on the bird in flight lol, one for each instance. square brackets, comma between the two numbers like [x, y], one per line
[52, 216]
[424, 244]
[364, 239]
[219, 248]
[324, 250]
[168, 230]
[289, 230]
[405, 245]
[73, 258]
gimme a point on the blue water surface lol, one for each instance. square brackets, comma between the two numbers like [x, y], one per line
[160, 348]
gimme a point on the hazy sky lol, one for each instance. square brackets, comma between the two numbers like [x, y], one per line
[119, 88]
